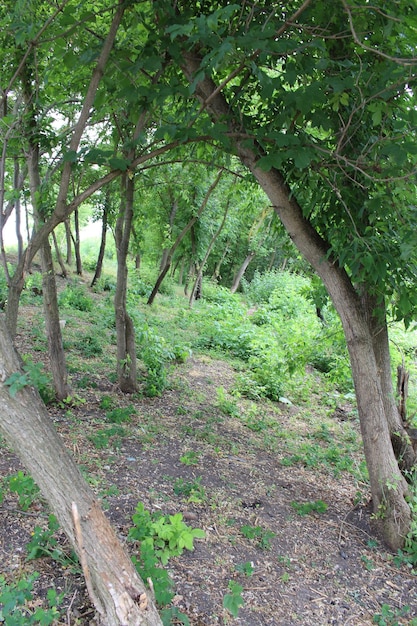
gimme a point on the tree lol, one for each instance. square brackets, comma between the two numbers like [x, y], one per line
[112, 582]
[319, 113]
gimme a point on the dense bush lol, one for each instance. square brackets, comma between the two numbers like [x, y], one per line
[75, 297]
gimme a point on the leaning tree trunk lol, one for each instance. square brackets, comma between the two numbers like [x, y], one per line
[389, 488]
[181, 236]
[125, 332]
[196, 290]
[112, 582]
[241, 271]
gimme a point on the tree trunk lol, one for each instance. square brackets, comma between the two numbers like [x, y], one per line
[59, 256]
[68, 240]
[241, 271]
[126, 348]
[216, 274]
[196, 290]
[112, 582]
[100, 258]
[376, 318]
[17, 184]
[50, 299]
[388, 487]
[181, 236]
[53, 329]
[76, 241]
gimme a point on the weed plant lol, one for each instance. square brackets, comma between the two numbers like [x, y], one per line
[25, 487]
[75, 297]
[17, 606]
[160, 537]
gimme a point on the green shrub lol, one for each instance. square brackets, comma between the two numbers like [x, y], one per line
[75, 297]
[89, 346]
[160, 537]
[33, 375]
[262, 285]
[17, 608]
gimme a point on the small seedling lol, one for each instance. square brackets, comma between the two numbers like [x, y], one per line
[193, 490]
[160, 537]
[233, 601]
[121, 414]
[45, 543]
[262, 536]
[26, 488]
[18, 607]
[190, 457]
[245, 568]
[305, 508]
[391, 617]
[227, 406]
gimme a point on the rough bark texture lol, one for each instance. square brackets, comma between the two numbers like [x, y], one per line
[126, 348]
[388, 486]
[116, 590]
[376, 318]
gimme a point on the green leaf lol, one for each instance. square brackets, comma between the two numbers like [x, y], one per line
[70, 156]
[117, 163]
[233, 601]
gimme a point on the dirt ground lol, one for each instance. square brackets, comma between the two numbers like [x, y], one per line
[315, 569]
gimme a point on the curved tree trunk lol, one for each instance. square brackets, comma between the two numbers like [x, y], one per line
[126, 348]
[389, 488]
[112, 582]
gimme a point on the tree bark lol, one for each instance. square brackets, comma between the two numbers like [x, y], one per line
[181, 236]
[104, 223]
[59, 256]
[50, 299]
[112, 582]
[376, 318]
[76, 241]
[241, 271]
[388, 486]
[196, 290]
[126, 348]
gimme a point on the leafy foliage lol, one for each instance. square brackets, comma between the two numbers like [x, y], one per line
[33, 375]
[15, 604]
[75, 297]
[160, 537]
[26, 488]
[233, 601]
